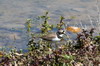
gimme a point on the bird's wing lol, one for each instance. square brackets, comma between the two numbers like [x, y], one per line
[49, 36]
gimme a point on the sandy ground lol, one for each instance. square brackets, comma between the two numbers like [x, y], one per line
[13, 15]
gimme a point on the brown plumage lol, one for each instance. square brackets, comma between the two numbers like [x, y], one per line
[49, 36]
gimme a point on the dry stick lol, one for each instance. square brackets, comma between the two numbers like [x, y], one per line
[65, 26]
[81, 25]
[85, 27]
[98, 11]
[91, 21]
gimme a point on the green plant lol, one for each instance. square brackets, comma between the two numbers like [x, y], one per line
[97, 39]
[28, 25]
[45, 26]
[61, 24]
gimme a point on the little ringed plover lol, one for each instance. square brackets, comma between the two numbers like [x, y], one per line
[54, 36]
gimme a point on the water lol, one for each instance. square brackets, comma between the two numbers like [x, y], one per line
[13, 15]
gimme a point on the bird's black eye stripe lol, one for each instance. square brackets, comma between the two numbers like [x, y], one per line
[61, 32]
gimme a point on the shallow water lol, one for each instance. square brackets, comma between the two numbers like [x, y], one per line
[13, 15]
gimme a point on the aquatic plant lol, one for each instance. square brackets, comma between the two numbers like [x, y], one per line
[28, 25]
[45, 26]
[61, 23]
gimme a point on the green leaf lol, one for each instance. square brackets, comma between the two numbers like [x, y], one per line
[46, 12]
[61, 17]
[67, 56]
[42, 17]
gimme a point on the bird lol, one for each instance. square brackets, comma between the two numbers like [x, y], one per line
[57, 36]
